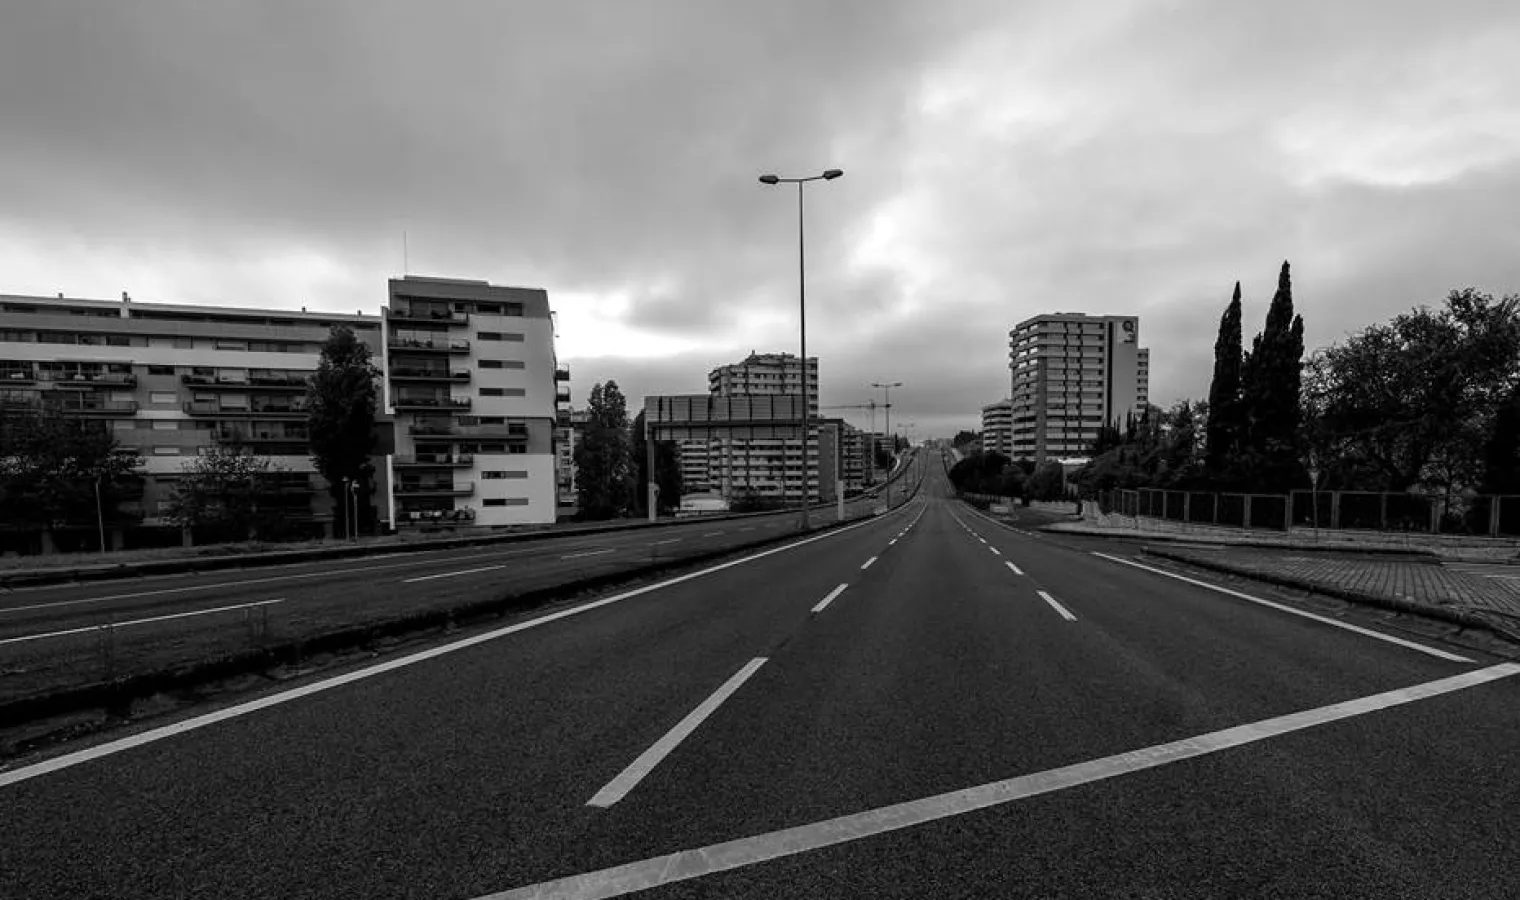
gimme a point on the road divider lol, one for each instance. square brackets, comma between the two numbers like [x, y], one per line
[639, 769]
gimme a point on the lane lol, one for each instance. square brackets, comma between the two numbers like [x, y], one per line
[444, 778]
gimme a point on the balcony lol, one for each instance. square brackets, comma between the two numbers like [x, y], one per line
[294, 382]
[260, 438]
[561, 373]
[98, 407]
[416, 517]
[416, 489]
[561, 394]
[456, 431]
[434, 461]
[417, 373]
[426, 345]
[424, 314]
[272, 410]
[430, 403]
[18, 376]
[88, 379]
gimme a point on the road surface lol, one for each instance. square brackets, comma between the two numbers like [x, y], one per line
[923, 704]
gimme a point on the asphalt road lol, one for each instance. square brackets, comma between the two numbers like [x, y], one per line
[977, 713]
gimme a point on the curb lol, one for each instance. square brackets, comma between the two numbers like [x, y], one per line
[1422, 556]
[1448, 615]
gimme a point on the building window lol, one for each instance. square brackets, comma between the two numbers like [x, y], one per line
[498, 475]
[495, 501]
[231, 345]
[165, 425]
[492, 392]
[490, 364]
[184, 343]
[487, 335]
[163, 398]
[513, 309]
[514, 392]
[513, 336]
[160, 370]
[513, 364]
[493, 420]
[166, 451]
[518, 448]
[492, 448]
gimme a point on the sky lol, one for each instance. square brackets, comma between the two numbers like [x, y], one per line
[1002, 160]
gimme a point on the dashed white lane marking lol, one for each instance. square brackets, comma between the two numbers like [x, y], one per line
[454, 574]
[588, 553]
[1013, 568]
[666, 541]
[153, 735]
[822, 604]
[687, 864]
[751, 528]
[712, 534]
[1433, 651]
[128, 624]
[891, 542]
[996, 551]
[867, 564]
[1065, 613]
[629, 778]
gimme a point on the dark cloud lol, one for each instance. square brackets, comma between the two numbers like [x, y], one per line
[1002, 160]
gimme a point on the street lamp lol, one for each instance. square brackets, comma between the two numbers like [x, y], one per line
[828, 175]
[100, 516]
[886, 388]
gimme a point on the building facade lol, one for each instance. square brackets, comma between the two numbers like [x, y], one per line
[570, 426]
[1071, 374]
[737, 445]
[473, 382]
[997, 427]
[766, 374]
[171, 380]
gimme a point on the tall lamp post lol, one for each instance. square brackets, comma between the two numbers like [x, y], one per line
[886, 396]
[828, 175]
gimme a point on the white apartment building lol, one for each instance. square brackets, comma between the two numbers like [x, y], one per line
[766, 374]
[473, 381]
[737, 444]
[997, 427]
[1071, 373]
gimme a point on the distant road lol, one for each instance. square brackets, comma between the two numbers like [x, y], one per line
[923, 704]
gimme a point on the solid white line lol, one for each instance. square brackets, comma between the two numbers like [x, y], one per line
[666, 541]
[687, 864]
[1016, 570]
[183, 615]
[1065, 613]
[109, 748]
[629, 778]
[452, 574]
[867, 564]
[589, 553]
[830, 598]
[712, 534]
[1439, 654]
[995, 550]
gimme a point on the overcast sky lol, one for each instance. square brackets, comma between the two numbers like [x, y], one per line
[1002, 159]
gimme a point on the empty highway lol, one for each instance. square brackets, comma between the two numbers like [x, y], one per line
[921, 704]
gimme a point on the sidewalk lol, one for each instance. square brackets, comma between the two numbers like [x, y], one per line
[1442, 546]
[1402, 584]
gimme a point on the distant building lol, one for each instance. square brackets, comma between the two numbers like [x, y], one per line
[765, 374]
[1071, 374]
[997, 427]
[169, 381]
[570, 427]
[473, 381]
[743, 444]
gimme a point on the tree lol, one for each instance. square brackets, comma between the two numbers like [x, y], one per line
[1501, 452]
[605, 473]
[54, 466]
[342, 400]
[964, 437]
[219, 492]
[1225, 429]
[1046, 483]
[667, 467]
[1410, 401]
[1271, 383]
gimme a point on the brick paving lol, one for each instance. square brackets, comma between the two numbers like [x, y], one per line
[1492, 600]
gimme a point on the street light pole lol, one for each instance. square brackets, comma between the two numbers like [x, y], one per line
[828, 175]
[100, 516]
[886, 388]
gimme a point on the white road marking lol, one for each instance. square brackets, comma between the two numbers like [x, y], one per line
[629, 778]
[588, 553]
[153, 735]
[995, 550]
[666, 541]
[712, 534]
[452, 574]
[1065, 613]
[687, 864]
[128, 624]
[867, 564]
[1015, 569]
[982, 539]
[830, 598]
[891, 542]
[1439, 654]
[747, 529]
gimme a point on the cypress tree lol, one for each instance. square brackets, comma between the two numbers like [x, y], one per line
[1270, 387]
[1223, 433]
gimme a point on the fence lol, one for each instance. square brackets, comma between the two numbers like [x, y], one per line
[1493, 516]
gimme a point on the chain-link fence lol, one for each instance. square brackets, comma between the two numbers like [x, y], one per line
[1484, 515]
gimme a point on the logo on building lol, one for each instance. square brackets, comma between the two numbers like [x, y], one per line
[1128, 327]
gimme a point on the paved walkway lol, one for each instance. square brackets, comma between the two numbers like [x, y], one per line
[1486, 593]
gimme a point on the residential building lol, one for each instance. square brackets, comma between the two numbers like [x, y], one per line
[1071, 374]
[765, 374]
[170, 380]
[570, 426]
[750, 443]
[473, 381]
[997, 427]
[1143, 376]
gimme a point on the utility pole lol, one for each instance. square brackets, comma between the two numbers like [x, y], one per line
[886, 388]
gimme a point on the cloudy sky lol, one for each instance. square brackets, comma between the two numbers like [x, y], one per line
[1002, 159]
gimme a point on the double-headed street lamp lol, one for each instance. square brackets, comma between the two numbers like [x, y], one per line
[828, 175]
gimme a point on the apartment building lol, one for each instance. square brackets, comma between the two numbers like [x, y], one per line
[997, 427]
[1071, 373]
[750, 444]
[570, 427]
[171, 380]
[473, 381]
[766, 374]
